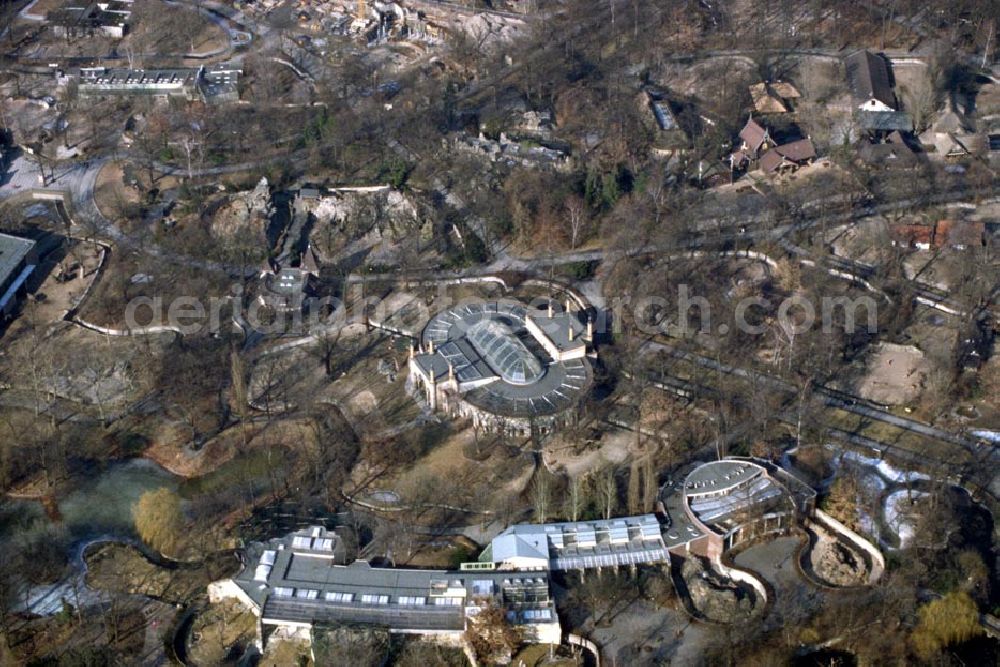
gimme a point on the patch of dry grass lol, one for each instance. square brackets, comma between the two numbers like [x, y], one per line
[217, 629]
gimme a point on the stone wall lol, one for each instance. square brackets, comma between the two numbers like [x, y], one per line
[877, 559]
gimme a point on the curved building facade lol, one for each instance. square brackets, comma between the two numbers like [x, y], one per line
[733, 501]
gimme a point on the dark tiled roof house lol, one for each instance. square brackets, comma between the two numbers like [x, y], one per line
[868, 77]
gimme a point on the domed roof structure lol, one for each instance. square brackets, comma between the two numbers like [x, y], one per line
[504, 352]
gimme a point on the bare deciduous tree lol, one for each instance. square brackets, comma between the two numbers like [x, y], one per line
[575, 497]
[541, 495]
[607, 490]
[576, 212]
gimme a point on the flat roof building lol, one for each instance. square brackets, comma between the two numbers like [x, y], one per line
[105, 17]
[579, 545]
[110, 80]
[214, 83]
[18, 259]
[735, 500]
[299, 581]
[715, 507]
[294, 583]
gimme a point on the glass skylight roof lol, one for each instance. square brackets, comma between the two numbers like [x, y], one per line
[504, 352]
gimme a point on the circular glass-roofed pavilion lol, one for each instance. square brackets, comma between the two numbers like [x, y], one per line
[503, 363]
[504, 352]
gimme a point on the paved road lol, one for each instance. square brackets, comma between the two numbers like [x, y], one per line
[79, 179]
[23, 175]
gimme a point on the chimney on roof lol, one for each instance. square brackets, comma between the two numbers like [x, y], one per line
[568, 305]
[413, 350]
[550, 308]
[590, 328]
[569, 329]
[430, 346]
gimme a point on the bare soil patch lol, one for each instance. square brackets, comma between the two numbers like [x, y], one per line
[217, 630]
[43, 7]
[132, 274]
[120, 568]
[895, 375]
[614, 446]
[69, 362]
[835, 562]
[111, 195]
[860, 241]
[444, 476]
[171, 445]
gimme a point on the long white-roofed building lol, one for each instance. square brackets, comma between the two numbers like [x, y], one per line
[297, 582]
[579, 545]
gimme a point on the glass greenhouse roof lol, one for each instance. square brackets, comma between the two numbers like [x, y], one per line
[504, 352]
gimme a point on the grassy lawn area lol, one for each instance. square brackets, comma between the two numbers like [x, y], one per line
[248, 469]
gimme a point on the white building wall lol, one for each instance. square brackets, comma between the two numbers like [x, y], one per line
[226, 589]
[524, 563]
[544, 633]
[875, 105]
[577, 352]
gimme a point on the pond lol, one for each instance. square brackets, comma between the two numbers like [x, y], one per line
[100, 504]
[98, 509]
[247, 472]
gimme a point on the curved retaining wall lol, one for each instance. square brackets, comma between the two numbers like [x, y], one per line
[687, 606]
[138, 331]
[432, 282]
[759, 585]
[745, 577]
[578, 297]
[878, 560]
[102, 262]
[802, 555]
[581, 303]
[583, 642]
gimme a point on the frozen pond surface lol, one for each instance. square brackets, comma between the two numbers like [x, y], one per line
[885, 469]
